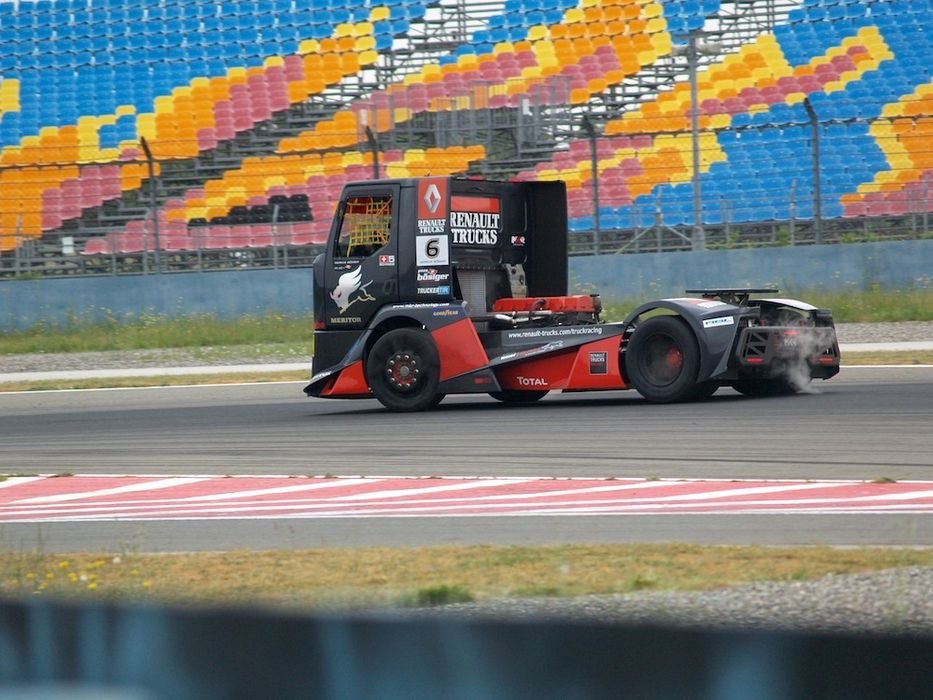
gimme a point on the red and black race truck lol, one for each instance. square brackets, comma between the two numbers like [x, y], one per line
[449, 285]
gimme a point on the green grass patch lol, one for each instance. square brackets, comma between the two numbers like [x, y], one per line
[442, 595]
[875, 305]
[152, 331]
[335, 578]
[870, 306]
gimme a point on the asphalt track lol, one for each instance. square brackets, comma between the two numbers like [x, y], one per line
[866, 424]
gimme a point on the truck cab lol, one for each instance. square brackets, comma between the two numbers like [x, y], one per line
[436, 241]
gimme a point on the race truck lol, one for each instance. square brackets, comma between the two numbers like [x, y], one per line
[449, 285]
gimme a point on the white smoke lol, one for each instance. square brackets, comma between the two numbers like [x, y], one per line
[809, 344]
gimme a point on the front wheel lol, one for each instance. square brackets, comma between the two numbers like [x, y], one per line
[663, 360]
[403, 370]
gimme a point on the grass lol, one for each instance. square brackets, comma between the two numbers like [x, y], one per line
[340, 579]
[151, 331]
[871, 306]
[875, 305]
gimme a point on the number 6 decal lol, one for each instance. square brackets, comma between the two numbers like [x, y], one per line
[431, 250]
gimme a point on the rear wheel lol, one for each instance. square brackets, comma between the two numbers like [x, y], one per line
[663, 360]
[517, 396]
[403, 370]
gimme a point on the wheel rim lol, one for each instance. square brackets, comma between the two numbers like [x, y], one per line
[403, 370]
[663, 362]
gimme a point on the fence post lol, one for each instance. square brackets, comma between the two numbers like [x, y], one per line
[817, 193]
[154, 204]
[699, 233]
[926, 200]
[374, 147]
[594, 176]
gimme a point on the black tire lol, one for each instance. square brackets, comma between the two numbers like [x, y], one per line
[663, 360]
[518, 396]
[403, 369]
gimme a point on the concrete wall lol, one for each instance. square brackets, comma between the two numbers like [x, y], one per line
[895, 265]
[227, 293]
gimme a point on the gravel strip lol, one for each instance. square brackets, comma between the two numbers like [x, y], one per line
[194, 357]
[903, 331]
[893, 601]
[134, 359]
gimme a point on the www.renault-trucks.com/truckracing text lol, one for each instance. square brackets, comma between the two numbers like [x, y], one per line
[446, 285]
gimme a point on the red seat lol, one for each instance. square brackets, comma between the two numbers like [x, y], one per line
[260, 237]
[302, 233]
[96, 246]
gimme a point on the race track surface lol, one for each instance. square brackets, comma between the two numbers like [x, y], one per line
[867, 425]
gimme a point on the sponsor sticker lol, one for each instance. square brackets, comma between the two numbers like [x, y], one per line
[710, 304]
[350, 290]
[432, 274]
[439, 290]
[599, 362]
[432, 193]
[475, 221]
[431, 250]
[719, 321]
[386, 261]
[432, 206]
[518, 241]
[567, 332]
[474, 228]
[531, 381]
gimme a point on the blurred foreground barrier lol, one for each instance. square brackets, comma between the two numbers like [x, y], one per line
[126, 653]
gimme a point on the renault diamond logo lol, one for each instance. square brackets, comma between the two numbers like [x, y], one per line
[432, 198]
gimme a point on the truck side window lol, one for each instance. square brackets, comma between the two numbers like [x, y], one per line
[365, 227]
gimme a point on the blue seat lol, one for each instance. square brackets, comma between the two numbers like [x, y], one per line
[384, 42]
[498, 35]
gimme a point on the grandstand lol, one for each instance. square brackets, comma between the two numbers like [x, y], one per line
[156, 135]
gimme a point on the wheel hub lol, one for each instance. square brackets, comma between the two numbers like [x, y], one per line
[664, 361]
[403, 370]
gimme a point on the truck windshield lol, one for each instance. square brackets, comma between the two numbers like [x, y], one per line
[365, 227]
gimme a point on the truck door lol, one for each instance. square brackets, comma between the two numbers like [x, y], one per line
[361, 273]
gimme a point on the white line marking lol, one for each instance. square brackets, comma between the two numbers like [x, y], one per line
[396, 493]
[729, 493]
[130, 488]
[277, 489]
[18, 481]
